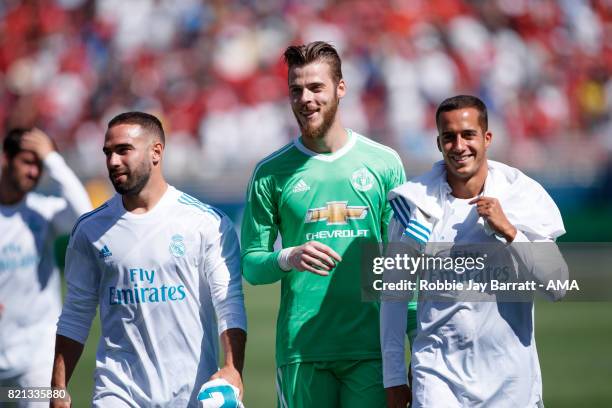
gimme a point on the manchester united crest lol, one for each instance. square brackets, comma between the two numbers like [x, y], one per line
[362, 179]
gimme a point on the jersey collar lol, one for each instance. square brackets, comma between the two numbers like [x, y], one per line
[330, 157]
[153, 212]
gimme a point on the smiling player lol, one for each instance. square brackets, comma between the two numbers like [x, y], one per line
[470, 354]
[325, 193]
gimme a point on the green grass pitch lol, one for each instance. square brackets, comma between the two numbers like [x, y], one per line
[573, 344]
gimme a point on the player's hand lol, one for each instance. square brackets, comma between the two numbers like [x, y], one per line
[231, 375]
[314, 257]
[398, 396]
[490, 209]
[38, 142]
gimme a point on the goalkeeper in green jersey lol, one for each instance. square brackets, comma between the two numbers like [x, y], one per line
[325, 193]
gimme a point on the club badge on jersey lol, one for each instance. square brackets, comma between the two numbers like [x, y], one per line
[219, 393]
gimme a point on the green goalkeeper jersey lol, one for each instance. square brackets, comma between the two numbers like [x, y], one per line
[338, 199]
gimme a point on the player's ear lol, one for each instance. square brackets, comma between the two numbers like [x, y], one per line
[438, 143]
[488, 138]
[157, 150]
[341, 88]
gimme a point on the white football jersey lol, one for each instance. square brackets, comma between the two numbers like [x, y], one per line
[465, 354]
[168, 283]
[29, 281]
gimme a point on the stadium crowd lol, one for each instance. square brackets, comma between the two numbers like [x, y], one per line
[212, 70]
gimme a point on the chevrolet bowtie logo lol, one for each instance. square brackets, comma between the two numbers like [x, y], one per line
[336, 213]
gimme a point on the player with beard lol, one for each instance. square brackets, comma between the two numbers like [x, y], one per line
[165, 270]
[325, 192]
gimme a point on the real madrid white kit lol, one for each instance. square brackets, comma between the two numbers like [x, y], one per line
[30, 295]
[168, 283]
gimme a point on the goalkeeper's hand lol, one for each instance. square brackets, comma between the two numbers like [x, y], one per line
[312, 256]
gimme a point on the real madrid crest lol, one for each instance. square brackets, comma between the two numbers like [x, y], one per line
[177, 246]
[362, 179]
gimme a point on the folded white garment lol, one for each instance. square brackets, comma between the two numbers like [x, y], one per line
[524, 201]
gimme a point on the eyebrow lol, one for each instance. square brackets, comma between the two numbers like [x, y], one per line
[118, 146]
[451, 133]
[308, 85]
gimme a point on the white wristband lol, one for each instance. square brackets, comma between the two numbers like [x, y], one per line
[283, 259]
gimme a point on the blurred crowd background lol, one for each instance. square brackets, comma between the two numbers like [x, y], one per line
[213, 71]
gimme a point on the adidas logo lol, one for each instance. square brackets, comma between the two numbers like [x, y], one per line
[301, 186]
[105, 252]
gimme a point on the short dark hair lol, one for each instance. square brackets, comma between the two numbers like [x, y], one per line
[11, 145]
[462, 102]
[299, 55]
[145, 120]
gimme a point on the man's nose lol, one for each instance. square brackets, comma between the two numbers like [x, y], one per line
[113, 160]
[34, 171]
[459, 143]
[305, 96]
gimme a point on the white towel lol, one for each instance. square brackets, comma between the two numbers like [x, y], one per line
[419, 202]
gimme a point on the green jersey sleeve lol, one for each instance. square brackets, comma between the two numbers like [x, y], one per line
[259, 232]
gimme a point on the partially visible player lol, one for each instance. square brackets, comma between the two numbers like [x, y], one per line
[325, 193]
[465, 353]
[30, 298]
[165, 270]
